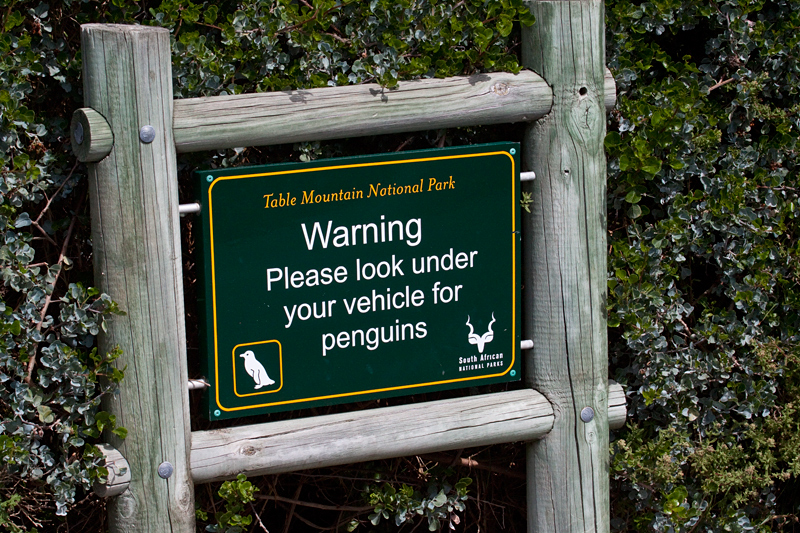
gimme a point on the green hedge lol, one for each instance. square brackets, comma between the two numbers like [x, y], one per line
[703, 281]
[703, 203]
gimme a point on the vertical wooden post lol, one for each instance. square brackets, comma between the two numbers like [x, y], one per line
[565, 254]
[137, 257]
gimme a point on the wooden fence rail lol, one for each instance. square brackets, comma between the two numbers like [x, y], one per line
[292, 445]
[217, 122]
[344, 438]
[337, 112]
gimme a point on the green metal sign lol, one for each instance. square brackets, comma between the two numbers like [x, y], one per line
[360, 278]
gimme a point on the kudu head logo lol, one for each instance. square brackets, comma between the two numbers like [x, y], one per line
[480, 340]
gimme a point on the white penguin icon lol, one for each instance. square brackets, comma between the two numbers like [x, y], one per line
[256, 370]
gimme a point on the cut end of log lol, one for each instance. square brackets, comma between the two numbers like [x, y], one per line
[617, 405]
[91, 135]
[119, 473]
[122, 28]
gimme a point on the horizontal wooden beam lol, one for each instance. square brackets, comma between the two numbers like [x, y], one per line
[382, 433]
[352, 111]
[260, 119]
[317, 442]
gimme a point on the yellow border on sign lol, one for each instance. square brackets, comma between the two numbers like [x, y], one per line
[280, 363]
[372, 391]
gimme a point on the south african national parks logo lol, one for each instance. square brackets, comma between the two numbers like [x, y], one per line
[480, 340]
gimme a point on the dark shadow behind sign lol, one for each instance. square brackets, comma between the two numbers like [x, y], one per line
[360, 278]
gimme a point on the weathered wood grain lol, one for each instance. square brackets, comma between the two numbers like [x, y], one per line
[338, 112]
[564, 253]
[317, 442]
[137, 259]
[90, 135]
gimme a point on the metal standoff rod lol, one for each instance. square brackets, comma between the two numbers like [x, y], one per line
[184, 209]
[195, 384]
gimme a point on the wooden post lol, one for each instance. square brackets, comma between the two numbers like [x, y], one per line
[565, 257]
[137, 259]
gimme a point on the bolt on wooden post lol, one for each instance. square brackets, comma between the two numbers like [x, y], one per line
[564, 253]
[137, 259]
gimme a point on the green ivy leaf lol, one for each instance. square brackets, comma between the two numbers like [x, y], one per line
[633, 197]
[651, 165]
[13, 20]
[46, 415]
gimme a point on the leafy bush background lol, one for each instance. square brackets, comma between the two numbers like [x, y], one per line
[703, 269]
[704, 264]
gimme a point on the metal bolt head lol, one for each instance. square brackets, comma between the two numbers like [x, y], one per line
[165, 470]
[217, 412]
[513, 373]
[209, 178]
[147, 134]
[77, 133]
[512, 151]
[587, 414]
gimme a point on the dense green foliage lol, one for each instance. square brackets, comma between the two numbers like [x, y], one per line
[236, 495]
[52, 379]
[703, 269]
[441, 505]
[703, 290]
